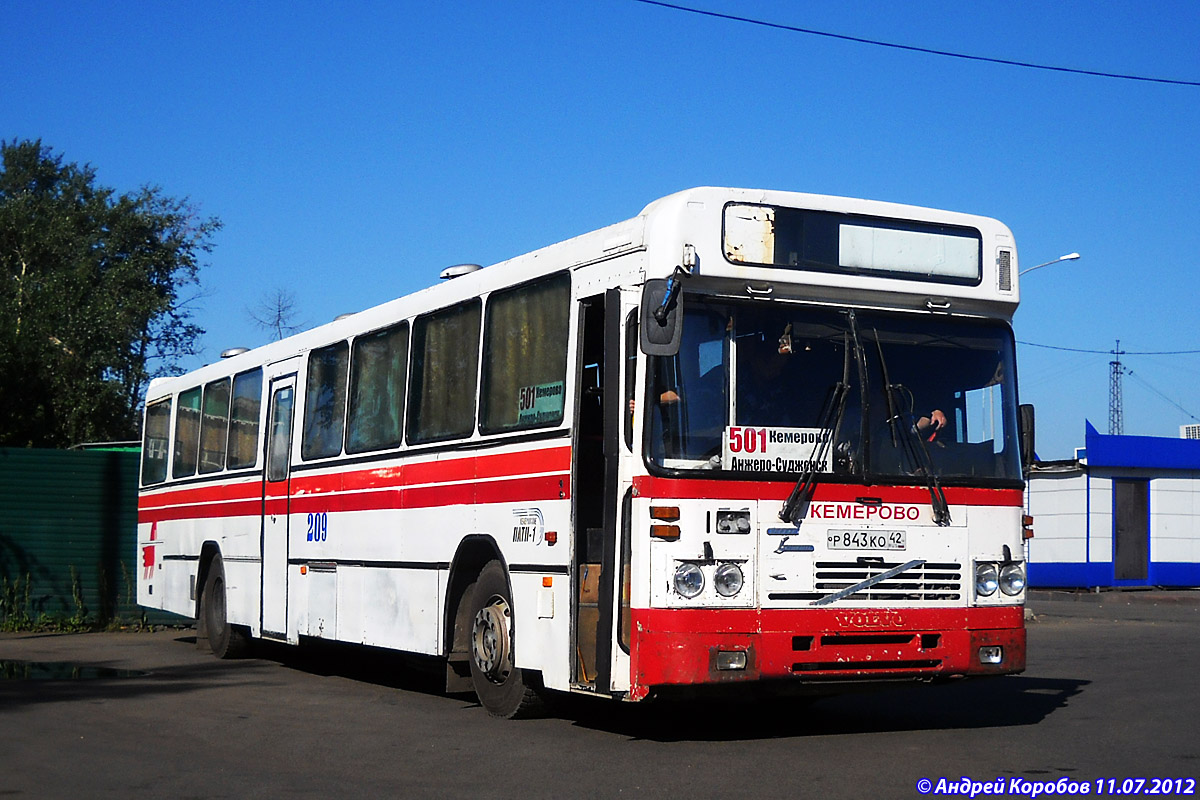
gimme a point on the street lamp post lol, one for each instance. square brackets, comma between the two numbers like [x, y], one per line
[1067, 257]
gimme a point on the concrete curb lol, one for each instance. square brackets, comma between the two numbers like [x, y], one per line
[1175, 597]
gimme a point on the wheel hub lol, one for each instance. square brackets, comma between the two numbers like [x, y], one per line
[490, 640]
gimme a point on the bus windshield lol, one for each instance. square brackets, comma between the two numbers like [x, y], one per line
[884, 397]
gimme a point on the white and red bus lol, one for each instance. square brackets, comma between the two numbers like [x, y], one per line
[746, 437]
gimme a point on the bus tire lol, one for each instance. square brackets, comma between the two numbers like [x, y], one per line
[503, 689]
[225, 640]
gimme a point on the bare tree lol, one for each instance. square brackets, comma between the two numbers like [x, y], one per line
[276, 313]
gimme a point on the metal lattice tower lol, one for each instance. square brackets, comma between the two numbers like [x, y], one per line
[1116, 414]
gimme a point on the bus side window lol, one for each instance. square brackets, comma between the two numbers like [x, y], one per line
[187, 434]
[525, 356]
[982, 419]
[445, 363]
[377, 370]
[243, 419]
[325, 401]
[154, 443]
[214, 425]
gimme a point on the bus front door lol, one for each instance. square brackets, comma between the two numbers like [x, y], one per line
[276, 501]
[601, 597]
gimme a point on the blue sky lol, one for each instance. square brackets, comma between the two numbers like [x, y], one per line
[353, 150]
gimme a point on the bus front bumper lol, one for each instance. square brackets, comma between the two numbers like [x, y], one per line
[693, 647]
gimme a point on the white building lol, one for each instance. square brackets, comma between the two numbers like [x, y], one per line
[1124, 512]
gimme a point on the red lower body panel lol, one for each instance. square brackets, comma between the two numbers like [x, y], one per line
[679, 647]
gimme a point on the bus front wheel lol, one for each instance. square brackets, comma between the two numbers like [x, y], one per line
[503, 689]
[226, 640]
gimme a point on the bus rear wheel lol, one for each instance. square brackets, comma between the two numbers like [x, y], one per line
[503, 689]
[225, 639]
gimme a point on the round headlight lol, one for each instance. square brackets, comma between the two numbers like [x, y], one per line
[689, 580]
[728, 580]
[1012, 579]
[986, 579]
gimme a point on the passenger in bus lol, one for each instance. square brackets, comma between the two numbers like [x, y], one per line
[690, 414]
[667, 397]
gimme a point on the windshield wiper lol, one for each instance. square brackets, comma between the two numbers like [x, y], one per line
[887, 391]
[864, 385]
[795, 507]
[918, 453]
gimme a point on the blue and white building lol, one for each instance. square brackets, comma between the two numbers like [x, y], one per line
[1124, 512]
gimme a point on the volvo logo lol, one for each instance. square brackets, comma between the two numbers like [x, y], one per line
[870, 619]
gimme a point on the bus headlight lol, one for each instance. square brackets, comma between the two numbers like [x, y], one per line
[689, 580]
[1012, 579]
[986, 579]
[728, 580]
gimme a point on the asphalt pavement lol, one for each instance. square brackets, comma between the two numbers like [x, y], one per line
[1110, 694]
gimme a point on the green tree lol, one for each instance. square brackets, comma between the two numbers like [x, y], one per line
[92, 298]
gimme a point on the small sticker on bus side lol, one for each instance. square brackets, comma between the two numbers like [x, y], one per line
[529, 527]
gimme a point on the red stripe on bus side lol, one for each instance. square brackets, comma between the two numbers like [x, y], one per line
[244, 508]
[685, 488]
[375, 489]
[433, 472]
[512, 490]
[556, 459]
[204, 494]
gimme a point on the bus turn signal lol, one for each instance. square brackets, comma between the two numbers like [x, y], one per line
[670, 532]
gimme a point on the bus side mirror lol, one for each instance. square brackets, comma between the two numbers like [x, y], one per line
[1026, 423]
[659, 327]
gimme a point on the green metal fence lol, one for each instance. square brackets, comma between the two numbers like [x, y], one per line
[68, 535]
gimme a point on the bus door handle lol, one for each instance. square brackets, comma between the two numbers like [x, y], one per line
[759, 291]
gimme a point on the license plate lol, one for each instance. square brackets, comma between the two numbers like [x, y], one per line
[866, 540]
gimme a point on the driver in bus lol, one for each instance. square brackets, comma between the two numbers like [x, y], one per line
[929, 426]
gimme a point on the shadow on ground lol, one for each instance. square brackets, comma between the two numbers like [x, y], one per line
[1008, 701]
[26, 683]
[999, 702]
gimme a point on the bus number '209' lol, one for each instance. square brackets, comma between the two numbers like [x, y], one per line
[318, 526]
